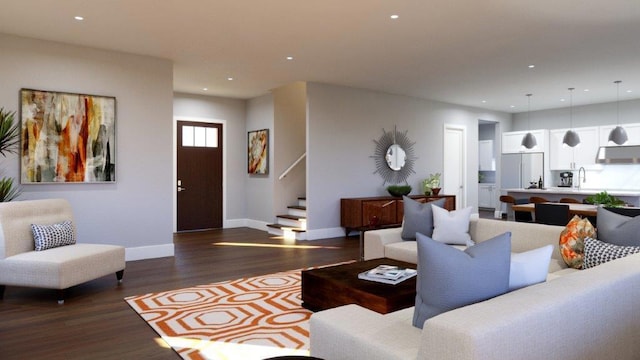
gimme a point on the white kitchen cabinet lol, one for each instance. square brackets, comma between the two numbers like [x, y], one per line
[633, 132]
[512, 141]
[486, 161]
[486, 196]
[562, 157]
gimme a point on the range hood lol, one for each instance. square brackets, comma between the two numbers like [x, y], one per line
[618, 155]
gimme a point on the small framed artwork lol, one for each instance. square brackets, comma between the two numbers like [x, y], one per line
[67, 138]
[258, 152]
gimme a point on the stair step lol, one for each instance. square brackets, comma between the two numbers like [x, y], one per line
[283, 227]
[291, 217]
[297, 207]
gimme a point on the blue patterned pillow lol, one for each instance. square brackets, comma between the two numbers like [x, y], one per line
[598, 252]
[54, 235]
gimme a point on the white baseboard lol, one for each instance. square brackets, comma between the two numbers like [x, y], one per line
[325, 233]
[148, 252]
[250, 223]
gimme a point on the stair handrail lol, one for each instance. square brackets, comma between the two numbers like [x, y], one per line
[286, 172]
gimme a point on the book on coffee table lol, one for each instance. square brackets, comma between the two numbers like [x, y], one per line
[387, 274]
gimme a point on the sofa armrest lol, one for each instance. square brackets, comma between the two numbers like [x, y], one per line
[375, 240]
[353, 332]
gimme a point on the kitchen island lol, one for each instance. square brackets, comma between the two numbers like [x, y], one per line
[631, 197]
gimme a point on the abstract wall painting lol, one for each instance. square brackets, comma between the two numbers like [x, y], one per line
[67, 138]
[258, 152]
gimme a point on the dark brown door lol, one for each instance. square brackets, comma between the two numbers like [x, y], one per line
[199, 187]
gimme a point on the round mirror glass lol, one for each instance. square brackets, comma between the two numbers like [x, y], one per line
[395, 157]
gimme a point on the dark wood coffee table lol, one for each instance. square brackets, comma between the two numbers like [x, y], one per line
[338, 285]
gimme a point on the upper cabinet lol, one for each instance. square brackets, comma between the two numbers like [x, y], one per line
[562, 157]
[633, 131]
[512, 141]
[486, 161]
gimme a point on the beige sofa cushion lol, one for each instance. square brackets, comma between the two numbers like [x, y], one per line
[352, 332]
[62, 267]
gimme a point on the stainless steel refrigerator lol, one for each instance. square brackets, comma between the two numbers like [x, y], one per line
[517, 171]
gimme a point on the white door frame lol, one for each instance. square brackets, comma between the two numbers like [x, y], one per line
[460, 200]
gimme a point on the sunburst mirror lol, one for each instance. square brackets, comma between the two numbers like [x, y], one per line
[394, 156]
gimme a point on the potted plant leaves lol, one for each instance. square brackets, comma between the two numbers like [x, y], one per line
[604, 199]
[431, 185]
[9, 138]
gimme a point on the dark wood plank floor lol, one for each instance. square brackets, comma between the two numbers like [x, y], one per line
[96, 323]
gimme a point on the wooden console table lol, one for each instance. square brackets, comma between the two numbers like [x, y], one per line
[357, 213]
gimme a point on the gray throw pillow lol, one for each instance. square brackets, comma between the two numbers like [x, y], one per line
[449, 278]
[618, 229]
[418, 217]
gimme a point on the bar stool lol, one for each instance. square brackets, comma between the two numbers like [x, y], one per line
[522, 216]
[537, 200]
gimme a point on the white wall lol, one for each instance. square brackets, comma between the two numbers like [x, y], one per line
[233, 113]
[342, 124]
[135, 212]
[290, 117]
[259, 188]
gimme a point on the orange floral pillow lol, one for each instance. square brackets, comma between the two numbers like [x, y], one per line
[572, 241]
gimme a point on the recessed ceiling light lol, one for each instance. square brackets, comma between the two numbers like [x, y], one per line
[562, 100]
[629, 91]
[205, 89]
[484, 101]
[394, 17]
[289, 57]
[230, 78]
[512, 106]
[79, 18]
[586, 90]
[531, 66]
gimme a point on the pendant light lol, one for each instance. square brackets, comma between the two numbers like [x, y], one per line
[618, 135]
[571, 138]
[529, 140]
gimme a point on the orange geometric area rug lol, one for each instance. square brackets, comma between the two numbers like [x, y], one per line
[252, 318]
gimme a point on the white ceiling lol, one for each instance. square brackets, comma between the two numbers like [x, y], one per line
[456, 51]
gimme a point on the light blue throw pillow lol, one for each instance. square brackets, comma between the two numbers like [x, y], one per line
[449, 278]
[418, 217]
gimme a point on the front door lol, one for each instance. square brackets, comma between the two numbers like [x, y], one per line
[199, 170]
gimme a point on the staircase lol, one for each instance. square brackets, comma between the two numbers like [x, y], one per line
[292, 225]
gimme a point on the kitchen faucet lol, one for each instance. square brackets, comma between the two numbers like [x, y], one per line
[584, 176]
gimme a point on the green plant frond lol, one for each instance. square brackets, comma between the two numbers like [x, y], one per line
[8, 191]
[603, 198]
[9, 132]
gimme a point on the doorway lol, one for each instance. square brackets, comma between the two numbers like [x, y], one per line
[199, 171]
[455, 160]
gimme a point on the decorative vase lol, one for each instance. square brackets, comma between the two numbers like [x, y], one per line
[435, 191]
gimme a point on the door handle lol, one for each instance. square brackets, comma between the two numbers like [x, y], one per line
[180, 188]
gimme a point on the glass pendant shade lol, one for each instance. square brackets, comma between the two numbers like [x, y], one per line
[529, 141]
[571, 138]
[618, 135]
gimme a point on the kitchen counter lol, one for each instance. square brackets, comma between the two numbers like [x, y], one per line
[631, 197]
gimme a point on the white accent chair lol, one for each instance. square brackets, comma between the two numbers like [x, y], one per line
[57, 268]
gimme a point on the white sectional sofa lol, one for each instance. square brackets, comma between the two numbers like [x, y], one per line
[56, 268]
[575, 314]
